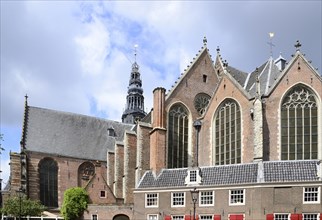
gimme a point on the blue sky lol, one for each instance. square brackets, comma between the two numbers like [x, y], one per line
[76, 56]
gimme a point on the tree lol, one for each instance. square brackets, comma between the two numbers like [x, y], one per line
[75, 203]
[21, 206]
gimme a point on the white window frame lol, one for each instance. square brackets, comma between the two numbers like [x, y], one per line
[237, 203]
[175, 217]
[318, 196]
[146, 200]
[213, 198]
[184, 199]
[317, 215]
[148, 216]
[288, 215]
[101, 194]
[207, 216]
[193, 176]
[93, 216]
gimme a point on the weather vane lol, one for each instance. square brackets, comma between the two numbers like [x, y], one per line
[270, 43]
[135, 52]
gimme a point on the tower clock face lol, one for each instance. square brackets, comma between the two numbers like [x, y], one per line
[201, 102]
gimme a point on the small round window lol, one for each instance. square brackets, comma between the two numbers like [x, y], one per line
[201, 102]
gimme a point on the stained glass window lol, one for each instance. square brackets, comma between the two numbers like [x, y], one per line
[48, 172]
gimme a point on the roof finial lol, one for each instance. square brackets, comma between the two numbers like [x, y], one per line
[218, 49]
[297, 45]
[26, 99]
[135, 52]
[204, 41]
[270, 43]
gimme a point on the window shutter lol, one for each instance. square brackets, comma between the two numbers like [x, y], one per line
[320, 216]
[167, 217]
[217, 217]
[296, 216]
[270, 217]
[188, 217]
[236, 217]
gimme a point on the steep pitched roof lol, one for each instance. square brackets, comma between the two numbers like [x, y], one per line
[267, 74]
[273, 171]
[72, 135]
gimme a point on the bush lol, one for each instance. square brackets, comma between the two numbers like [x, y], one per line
[75, 203]
[29, 207]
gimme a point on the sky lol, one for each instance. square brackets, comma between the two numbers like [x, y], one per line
[76, 56]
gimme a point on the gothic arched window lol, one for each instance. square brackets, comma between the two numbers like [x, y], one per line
[85, 172]
[299, 125]
[178, 137]
[227, 133]
[48, 173]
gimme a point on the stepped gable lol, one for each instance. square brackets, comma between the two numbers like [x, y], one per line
[71, 135]
[274, 171]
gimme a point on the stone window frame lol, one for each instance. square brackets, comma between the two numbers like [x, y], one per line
[94, 217]
[151, 200]
[178, 136]
[235, 195]
[227, 146]
[299, 139]
[311, 195]
[206, 198]
[178, 197]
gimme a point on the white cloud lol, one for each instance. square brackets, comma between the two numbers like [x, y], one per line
[94, 47]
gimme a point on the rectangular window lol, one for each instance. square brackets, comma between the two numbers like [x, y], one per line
[310, 216]
[193, 176]
[178, 199]
[237, 197]
[152, 217]
[206, 198]
[281, 216]
[103, 194]
[206, 217]
[177, 217]
[204, 78]
[311, 194]
[94, 217]
[151, 200]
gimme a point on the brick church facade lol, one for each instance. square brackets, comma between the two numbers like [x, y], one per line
[250, 145]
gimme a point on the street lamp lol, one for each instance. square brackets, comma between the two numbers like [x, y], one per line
[20, 193]
[197, 126]
[194, 197]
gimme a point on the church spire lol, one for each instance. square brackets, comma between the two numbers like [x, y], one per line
[134, 110]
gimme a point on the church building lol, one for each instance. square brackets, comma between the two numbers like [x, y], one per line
[221, 144]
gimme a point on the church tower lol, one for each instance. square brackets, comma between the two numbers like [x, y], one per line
[134, 110]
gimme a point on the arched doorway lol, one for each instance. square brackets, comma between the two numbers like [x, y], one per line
[121, 217]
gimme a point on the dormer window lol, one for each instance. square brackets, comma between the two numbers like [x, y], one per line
[193, 177]
[111, 132]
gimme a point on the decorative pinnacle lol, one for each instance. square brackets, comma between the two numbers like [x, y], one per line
[297, 45]
[218, 49]
[204, 41]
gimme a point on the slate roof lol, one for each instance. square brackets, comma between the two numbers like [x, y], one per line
[284, 171]
[274, 171]
[267, 73]
[72, 135]
[238, 75]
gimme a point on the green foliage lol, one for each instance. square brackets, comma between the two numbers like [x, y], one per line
[75, 203]
[29, 207]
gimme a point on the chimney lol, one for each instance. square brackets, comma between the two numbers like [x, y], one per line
[158, 133]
